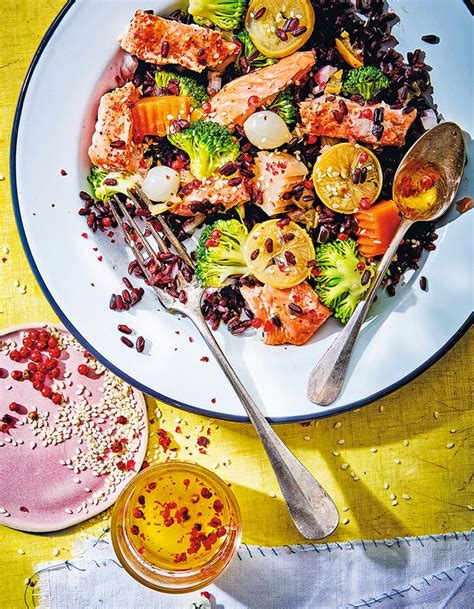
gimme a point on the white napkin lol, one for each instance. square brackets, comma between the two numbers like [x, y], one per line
[408, 572]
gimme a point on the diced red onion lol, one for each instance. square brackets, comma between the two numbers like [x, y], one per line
[429, 119]
[323, 75]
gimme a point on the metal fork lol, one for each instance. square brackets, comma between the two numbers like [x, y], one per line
[312, 510]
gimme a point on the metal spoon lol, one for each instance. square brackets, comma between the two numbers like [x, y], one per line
[441, 149]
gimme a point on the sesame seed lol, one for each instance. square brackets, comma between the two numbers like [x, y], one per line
[20, 551]
[373, 449]
[307, 438]
[345, 466]
[394, 502]
[386, 486]
[335, 453]
[393, 496]
[406, 497]
[337, 424]
[450, 445]
[341, 442]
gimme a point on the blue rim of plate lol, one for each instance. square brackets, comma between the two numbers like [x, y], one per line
[147, 390]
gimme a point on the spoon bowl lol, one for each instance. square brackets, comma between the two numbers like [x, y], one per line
[424, 187]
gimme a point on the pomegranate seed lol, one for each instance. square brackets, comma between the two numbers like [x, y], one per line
[28, 342]
[56, 398]
[367, 113]
[364, 203]
[206, 493]
[106, 222]
[119, 302]
[24, 352]
[41, 345]
[361, 266]
[55, 373]
[55, 352]
[17, 375]
[33, 334]
[125, 329]
[308, 184]
[256, 322]
[134, 530]
[268, 326]
[206, 107]
[426, 182]
[342, 236]
[126, 341]
[14, 407]
[140, 344]
[126, 296]
[253, 100]
[83, 369]
[36, 356]
[121, 420]
[46, 392]
[211, 243]
[52, 342]
[32, 366]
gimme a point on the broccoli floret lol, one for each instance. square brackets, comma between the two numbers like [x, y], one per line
[220, 253]
[366, 81]
[187, 86]
[284, 105]
[209, 146]
[254, 58]
[226, 14]
[105, 185]
[339, 283]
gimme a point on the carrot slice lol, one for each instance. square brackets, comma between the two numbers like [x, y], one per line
[155, 115]
[377, 226]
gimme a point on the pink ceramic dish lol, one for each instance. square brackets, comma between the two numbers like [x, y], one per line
[63, 463]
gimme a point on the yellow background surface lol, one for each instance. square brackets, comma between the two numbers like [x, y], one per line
[401, 440]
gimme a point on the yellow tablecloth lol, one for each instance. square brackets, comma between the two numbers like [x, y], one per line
[414, 444]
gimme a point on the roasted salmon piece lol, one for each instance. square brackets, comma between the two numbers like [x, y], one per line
[215, 190]
[276, 174]
[239, 98]
[287, 316]
[161, 41]
[112, 145]
[342, 118]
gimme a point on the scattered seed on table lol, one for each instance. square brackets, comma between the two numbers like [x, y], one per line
[393, 496]
[435, 414]
[345, 466]
[394, 502]
[273, 495]
[345, 508]
[406, 443]
[373, 449]
[341, 442]
[56, 552]
[386, 486]
[406, 497]
[452, 430]
[306, 438]
[335, 453]
[450, 445]
[337, 424]
[397, 461]
[20, 551]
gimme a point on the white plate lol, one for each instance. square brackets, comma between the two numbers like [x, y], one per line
[52, 129]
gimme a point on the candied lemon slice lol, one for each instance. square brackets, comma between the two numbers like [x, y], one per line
[278, 29]
[347, 52]
[347, 177]
[277, 253]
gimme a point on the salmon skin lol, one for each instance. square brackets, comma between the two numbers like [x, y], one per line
[112, 146]
[290, 316]
[162, 41]
[323, 116]
[215, 190]
[238, 99]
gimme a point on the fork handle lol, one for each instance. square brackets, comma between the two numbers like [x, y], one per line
[312, 510]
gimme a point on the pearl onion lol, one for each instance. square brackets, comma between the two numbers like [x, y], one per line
[266, 130]
[161, 183]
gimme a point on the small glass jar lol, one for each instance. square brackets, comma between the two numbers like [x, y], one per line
[176, 527]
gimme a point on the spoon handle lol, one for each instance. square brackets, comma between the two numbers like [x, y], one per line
[327, 377]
